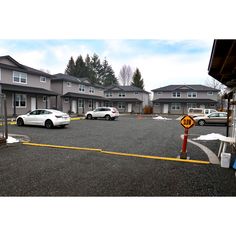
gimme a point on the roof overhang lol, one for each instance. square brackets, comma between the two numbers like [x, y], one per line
[222, 65]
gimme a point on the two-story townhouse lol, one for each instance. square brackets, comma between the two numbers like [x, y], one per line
[25, 88]
[176, 99]
[77, 95]
[127, 98]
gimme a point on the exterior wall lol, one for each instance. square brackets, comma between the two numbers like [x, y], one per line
[32, 80]
[200, 95]
[136, 107]
[7, 62]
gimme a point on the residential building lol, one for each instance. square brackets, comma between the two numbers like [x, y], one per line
[77, 95]
[176, 99]
[25, 88]
[127, 98]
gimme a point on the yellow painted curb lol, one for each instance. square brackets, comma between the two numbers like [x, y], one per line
[77, 118]
[118, 153]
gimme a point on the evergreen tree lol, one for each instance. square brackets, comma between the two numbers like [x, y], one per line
[80, 68]
[70, 69]
[96, 69]
[108, 75]
[137, 79]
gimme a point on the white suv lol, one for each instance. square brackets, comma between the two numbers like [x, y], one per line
[109, 113]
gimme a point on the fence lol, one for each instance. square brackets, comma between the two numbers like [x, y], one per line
[3, 120]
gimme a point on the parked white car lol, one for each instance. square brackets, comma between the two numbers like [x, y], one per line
[44, 117]
[194, 112]
[109, 113]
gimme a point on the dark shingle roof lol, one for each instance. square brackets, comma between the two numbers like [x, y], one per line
[193, 87]
[184, 100]
[79, 95]
[130, 88]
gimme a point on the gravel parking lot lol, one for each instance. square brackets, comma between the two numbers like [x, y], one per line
[42, 171]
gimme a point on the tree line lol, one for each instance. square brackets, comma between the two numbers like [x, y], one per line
[100, 72]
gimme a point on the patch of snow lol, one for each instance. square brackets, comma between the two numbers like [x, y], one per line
[212, 136]
[12, 140]
[161, 118]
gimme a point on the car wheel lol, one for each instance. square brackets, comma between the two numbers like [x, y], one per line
[107, 117]
[20, 122]
[89, 117]
[62, 126]
[201, 122]
[48, 124]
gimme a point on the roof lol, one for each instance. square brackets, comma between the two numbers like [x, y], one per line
[222, 64]
[73, 79]
[79, 95]
[183, 100]
[22, 68]
[130, 88]
[25, 89]
[185, 87]
[124, 100]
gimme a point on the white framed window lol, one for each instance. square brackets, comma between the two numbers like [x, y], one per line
[90, 103]
[80, 103]
[66, 100]
[176, 94]
[21, 101]
[192, 94]
[109, 94]
[43, 79]
[135, 92]
[121, 94]
[175, 106]
[121, 105]
[106, 104]
[209, 93]
[19, 77]
[91, 90]
[159, 93]
[81, 88]
[68, 84]
[192, 105]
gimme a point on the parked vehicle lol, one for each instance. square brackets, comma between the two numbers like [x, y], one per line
[212, 118]
[199, 111]
[44, 117]
[109, 113]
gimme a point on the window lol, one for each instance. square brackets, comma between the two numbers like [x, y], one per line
[81, 88]
[121, 105]
[192, 105]
[80, 103]
[210, 93]
[44, 98]
[192, 94]
[159, 93]
[176, 94]
[19, 77]
[43, 79]
[135, 92]
[175, 106]
[91, 90]
[90, 103]
[121, 94]
[109, 94]
[106, 104]
[68, 84]
[20, 101]
[66, 100]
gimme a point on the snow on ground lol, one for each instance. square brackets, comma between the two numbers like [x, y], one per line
[212, 136]
[161, 118]
[12, 140]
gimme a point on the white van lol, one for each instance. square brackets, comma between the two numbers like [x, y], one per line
[199, 111]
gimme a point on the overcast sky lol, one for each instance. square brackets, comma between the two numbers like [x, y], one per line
[161, 62]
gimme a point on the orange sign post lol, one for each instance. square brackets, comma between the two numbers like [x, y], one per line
[187, 122]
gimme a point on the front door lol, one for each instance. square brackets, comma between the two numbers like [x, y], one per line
[97, 104]
[165, 108]
[33, 103]
[73, 106]
[129, 107]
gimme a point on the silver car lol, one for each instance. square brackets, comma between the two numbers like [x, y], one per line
[213, 118]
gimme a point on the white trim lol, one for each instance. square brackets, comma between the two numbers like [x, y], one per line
[43, 79]
[91, 90]
[210, 93]
[66, 100]
[81, 88]
[121, 94]
[175, 96]
[21, 94]
[175, 106]
[191, 94]
[68, 84]
[20, 77]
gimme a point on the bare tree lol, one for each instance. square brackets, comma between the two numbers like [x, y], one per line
[125, 75]
[213, 83]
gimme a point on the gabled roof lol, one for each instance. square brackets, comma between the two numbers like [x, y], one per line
[22, 68]
[73, 79]
[130, 88]
[185, 87]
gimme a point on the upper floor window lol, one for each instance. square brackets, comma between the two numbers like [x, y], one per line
[19, 77]
[81, 88]
[68, 84]
[192, 94]
[176, 94]
[159, 93]
[210, 93]
[43, 79]
[135, 92]
[91, 90]
[109, 94]
[121, 94]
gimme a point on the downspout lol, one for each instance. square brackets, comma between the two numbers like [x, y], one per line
[228, 106]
